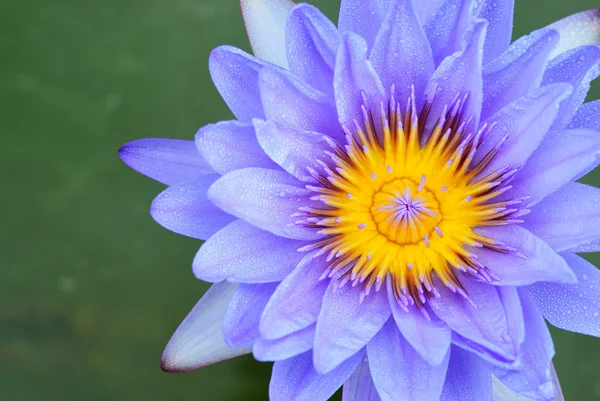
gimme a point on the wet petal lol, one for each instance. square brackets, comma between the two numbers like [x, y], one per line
[198, 340]
[429, 337]
[286, 347]
[537, 262]
[243, 253]
[526, 121]
[401, 54]
[593, 246]
[296, 303]
[240, 324]
[587, 116]
[231, 145]
[467, 378]
[460, 74]
[312, 42]
[578, 67]
[399, 373]
[296, 379]
[533, 378]
[426, 9]
[517, 71]
[291, 102]
[578, 30]
[346, 324]
[573, 307]
[500, 392]
[568, 218]
[487, 333]
[562, 157]
[355, 75]
[235, 74]
[169, 161]
[360, 387]
[250, 192]
[446, 30]
[265, 22]
[363, 17]
[185, 209]
[499, 33]
[292, 149]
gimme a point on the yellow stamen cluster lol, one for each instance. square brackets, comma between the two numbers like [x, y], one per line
[403, 205]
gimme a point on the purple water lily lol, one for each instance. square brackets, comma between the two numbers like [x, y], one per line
[395, 208]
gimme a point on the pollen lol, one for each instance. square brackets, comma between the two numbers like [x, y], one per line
[401, 202]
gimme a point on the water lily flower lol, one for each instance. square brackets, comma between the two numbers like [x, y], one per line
[395, 208]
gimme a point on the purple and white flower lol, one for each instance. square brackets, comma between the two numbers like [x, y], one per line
[395, 208]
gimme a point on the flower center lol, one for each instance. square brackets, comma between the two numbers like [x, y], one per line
[405, 212]
[402, 204]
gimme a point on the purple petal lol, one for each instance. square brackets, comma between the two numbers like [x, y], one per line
[427, 9]
[533, 378]
[346, 324]
[292, 149]
[573, 307]
[231, 145]
[360, 387]
[538, 263]
[235, 74]
[240, 325]
[517, 71]
[296, 303]
[355, 75]
[587, 116]
[429, 337]
[499, 33]
[285, 347]
[562, 157]
[198, 340]
[169, 161]
[568, 218]
[460, 74]
[526, 122]
[185, 209]
[593, 246]
[363, 17]
[489, 333]
[446, 30]
[501, 392]
[243, 253]
[578, 67]
[312, 42]
[511, 302]
[296, 379]
[399, 373]
[578, 30]
[401, 53]
[264, 198]
[289, 101]
[467, 378]
[265, 23]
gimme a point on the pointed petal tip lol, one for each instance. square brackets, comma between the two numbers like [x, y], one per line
[577, 30]
[173, 362]
[168, 161]
[198, 341]
[265, 23]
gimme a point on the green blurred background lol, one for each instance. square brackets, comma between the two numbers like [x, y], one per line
[90, 287]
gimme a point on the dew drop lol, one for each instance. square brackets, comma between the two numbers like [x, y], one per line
[547, 390]
[585, 277]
